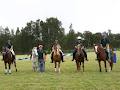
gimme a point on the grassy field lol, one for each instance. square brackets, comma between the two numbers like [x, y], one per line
[68, 79]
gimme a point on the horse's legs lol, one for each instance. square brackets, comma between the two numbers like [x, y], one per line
[6, 68]
[111, 64]
[36, 66]
[99, 65]
[78, 65]
[83, 66]
[34, 69]
[33, 66]
[15, 65]
[9, 71]
[105, 66]
[59, 67]
[55, 66]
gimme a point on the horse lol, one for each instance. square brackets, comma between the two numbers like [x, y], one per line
[57, 59]
[9, 59]
[102, 56]
[34, 59]
[79, 58]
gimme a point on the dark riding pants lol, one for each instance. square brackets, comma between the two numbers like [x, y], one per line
[41, 65]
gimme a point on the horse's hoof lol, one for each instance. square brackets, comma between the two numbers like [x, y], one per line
[16, 70]
[5, 73]
[55, 69]
[109, 70]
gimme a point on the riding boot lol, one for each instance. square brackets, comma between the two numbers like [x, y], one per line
[3, 57]
[74, 52]
[96, 56]
[61, 57]
[52, 57]
[107, 57]
[85, 54]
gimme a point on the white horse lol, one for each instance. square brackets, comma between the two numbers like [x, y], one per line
[34, 59]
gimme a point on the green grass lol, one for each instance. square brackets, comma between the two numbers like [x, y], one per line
[68, 79]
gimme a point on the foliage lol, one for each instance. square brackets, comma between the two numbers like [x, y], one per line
[46, 32]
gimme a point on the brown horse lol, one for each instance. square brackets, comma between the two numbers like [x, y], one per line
[102, 56]
[8, 59]
[57, 59]
[79, 57]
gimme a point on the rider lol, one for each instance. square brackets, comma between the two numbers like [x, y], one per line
[79, 42]
[56, 44]
[9, 46]
[105, 43]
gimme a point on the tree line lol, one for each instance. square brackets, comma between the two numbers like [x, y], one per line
[45, 32]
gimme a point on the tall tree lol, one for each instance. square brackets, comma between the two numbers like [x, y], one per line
[88, 38]
[54, 30]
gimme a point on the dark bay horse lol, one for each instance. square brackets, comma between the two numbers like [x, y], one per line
[79, 57]
[102, 56]
[57, 59]
[8, 59]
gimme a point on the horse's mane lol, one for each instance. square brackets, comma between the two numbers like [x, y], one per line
[34, 52]
[56, 51]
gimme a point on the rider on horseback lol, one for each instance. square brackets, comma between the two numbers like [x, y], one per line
[9, 46]
[105, 43]
[79, 42]
[56, 44]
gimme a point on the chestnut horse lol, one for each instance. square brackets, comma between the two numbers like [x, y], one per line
[8, 59]
[79, 57]
[102, 56]
[57, 59]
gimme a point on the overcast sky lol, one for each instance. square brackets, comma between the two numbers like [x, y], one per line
[92, 15]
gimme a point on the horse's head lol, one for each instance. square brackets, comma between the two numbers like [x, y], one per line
[34, 51]
[7, 55]
[97, 48]
[79, 48]
[79, 56]
[100, 51]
